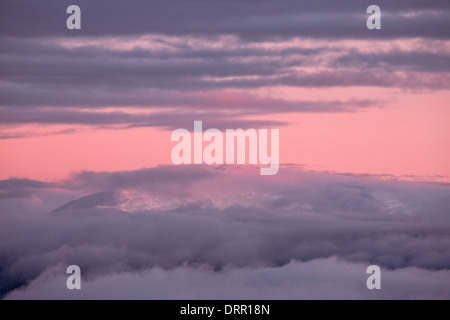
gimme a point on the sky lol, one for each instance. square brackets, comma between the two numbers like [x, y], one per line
[108, 96]
[86, 118]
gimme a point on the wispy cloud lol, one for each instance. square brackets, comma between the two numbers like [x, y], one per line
[134, 55]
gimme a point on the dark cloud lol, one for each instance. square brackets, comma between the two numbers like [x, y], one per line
[128, 73]
[120, 74]
[18, 188]
[155, 178]
[246, 19]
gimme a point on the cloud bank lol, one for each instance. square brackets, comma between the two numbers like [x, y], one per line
[228, 226]
[318, 279]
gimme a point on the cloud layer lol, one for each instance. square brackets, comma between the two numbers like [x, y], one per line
[327, 19]
[173, 60]
[228, 225]
[318, 279]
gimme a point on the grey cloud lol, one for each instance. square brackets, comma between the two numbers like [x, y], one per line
[102, 242]
[318, 279]
[125, 73]
[214, 110]
[18, 188]
[282, 19]
[182, 175]
[40, 72]
[121, 84]
[171, 50]
[197, 216]
[122, 73]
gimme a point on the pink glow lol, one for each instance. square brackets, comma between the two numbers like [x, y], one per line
[56, 156]
[408, 137]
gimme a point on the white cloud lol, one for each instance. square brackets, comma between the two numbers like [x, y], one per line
[318, 279]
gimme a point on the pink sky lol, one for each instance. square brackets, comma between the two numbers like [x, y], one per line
[409, 136]
[403, 131]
